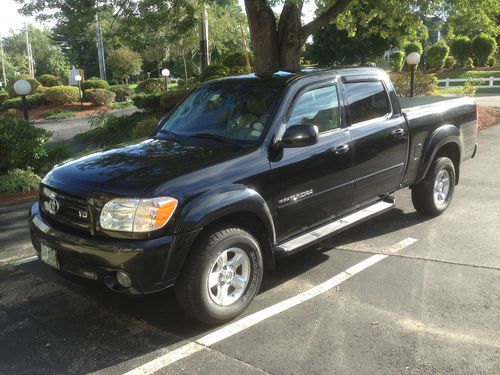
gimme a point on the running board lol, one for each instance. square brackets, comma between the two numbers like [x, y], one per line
[335, 226]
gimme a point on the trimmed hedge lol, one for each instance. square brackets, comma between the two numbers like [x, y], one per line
[122, 93]
[94, 83]
[63, 94]
[169, 99]
[483, 47]
[3, 97]
[148, 102]
[413, 47]
[449, 62]
[436, 55]
[100, 97]
[213, 72]
[48, 80]
[35, 85]
[396, 61]
[425, 84]
[34, 101]
[461, 49]
[150, 86]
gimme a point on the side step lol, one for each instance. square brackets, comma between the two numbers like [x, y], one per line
[336, 226]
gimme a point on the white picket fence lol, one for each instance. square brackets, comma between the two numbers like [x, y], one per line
[488, 82]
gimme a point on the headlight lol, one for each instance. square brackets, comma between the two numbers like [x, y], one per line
[137, 215]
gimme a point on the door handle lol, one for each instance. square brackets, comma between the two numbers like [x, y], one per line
[398, 133]
[341, 149]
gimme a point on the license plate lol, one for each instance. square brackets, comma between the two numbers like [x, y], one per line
[49, 256]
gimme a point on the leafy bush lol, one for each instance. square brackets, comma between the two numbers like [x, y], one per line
[413, 47]
[483, 47]
[100, 97]
[461, 49]
[470, 86]
[169, 99]
[63, 94]
[148, 102]
[122, 105]
[19, 181]
[48, 80]
[35, 85]
[3, 97]
[21, 144]
[237, 59]
[34, 101]
[94, 83]
[396, 61]
[449, 62]
[57, 152]
[469, 63]
[122, 93]
[491, 61]
[12, 112]
[58, 114]
[213, 72]
[425, 84]
[151, 86]
[145, 127]
[436, 55]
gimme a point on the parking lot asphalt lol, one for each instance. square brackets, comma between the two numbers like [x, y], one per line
[431, 307]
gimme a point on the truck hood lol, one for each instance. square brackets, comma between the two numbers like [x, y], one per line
[135, 169]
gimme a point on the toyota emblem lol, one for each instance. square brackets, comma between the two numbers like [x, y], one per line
[53, 206]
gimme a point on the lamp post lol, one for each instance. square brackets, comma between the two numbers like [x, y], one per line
[78, 78]
[412, 60]
[165, 73]
[23, 88]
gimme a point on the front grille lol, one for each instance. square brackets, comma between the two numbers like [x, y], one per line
[68, 210]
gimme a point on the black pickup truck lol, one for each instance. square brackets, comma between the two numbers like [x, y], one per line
[243, 171]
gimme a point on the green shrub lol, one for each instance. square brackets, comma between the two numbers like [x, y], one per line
[396, 61]
[59, 114]
[449, 62]
[461, 49]
[169, 99]
[122, 105]
[122, 93]
[3, 97]
[145, 127]
[425, 84]
[413, 47]
[151, 86]
[436, 55]
[57, 152]
[470, 86]
[94, 83]
[148, 102]
[35, 85]
[19, 181]
[34, 101]
[469, 63]
[11, 112]
[63, 94]
[100, 97]
[237, 59]
[491, 61]
[48, 80]
[213, 72]
[21, 144]
[483, 46]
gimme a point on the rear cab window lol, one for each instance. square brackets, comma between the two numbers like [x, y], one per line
[367, 101]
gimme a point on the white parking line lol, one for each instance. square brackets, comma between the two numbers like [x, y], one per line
[255, 318]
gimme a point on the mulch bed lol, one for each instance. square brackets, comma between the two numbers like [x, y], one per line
[6, 199]
[35, 113]
[488, 117]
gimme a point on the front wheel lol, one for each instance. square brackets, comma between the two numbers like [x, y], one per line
[434, 193]
[221, 276]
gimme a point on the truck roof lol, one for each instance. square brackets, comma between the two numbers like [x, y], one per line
[285, 78]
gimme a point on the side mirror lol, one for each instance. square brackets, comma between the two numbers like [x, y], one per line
[299, 136]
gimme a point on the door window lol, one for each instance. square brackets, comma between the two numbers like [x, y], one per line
[318, 107]
[367, 100]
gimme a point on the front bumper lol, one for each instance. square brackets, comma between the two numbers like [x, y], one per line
[145, 261]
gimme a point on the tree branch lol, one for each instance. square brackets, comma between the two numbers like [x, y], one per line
[324, 18]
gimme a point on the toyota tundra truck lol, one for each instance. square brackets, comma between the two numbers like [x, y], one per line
[246, 170]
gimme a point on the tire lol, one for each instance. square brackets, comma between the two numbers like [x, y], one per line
[238, 275]
[425, 195]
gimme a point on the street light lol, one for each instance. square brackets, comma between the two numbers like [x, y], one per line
[23, 88]
[165, 73]
[412, 60]
[78, 78]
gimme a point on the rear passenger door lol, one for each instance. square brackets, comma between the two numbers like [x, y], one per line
[379, 136]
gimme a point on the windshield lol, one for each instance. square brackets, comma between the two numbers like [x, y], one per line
[236, 112]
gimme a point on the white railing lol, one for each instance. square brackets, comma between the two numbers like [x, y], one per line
[489, 81]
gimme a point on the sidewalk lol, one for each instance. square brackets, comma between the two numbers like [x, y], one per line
[68, 128]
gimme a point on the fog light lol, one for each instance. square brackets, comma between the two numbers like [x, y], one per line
[123, 279]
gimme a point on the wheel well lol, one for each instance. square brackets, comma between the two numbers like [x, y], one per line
[252, 223]
[451, 151]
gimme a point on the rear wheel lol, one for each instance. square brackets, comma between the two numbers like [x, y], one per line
[433, 195]
[221, 276]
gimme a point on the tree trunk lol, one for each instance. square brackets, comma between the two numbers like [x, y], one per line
[185, 67]
[278, 47]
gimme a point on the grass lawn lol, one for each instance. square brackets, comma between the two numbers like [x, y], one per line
[468, 73]
[59, 114]
[456, 90]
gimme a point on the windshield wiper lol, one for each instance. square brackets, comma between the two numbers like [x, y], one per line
[216, 137]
